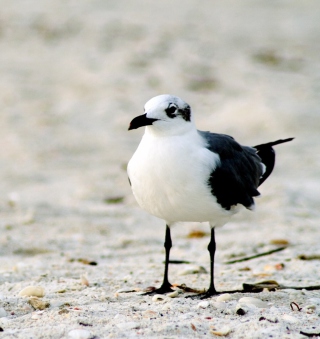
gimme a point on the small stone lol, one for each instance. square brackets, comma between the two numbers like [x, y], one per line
[241, 311]
[3, 312]
[32, 291]
[253, 301]
[158, 297]
[203, 304]
[128, 326]
[79, 334]
[225, 330]
[224, 297]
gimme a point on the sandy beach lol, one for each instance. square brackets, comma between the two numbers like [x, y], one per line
[73, 74]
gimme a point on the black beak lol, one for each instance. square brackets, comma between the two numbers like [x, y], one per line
[140, 121]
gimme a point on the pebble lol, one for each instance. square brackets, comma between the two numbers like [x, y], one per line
[253, 301]
[32, 291]
[3, 312]
[79, 334]
[203, 304]
[158, 297]
[225, 330]
[128, 326]
[224, 297]
[240, 310]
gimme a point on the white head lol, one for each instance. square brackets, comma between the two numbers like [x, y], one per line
[165, 114]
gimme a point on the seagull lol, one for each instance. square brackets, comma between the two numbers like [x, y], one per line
[181, 174]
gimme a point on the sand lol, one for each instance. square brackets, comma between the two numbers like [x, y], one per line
[72, 76]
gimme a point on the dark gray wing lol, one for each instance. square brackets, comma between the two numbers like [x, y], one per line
[235, 180]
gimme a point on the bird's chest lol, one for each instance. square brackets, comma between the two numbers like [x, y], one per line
[169, 175]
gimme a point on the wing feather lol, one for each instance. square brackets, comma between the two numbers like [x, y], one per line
[235, 180]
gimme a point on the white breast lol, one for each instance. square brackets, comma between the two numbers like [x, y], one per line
[169, 178]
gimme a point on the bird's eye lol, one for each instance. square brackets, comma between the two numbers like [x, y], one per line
[171, 110]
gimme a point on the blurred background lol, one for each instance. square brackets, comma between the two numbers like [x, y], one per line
[73, 73]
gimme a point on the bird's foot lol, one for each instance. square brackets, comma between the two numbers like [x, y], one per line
[210, 293]
[164, 288]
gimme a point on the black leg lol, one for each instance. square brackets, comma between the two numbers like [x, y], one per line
[166, 286]
[212, 250]
[212, 290]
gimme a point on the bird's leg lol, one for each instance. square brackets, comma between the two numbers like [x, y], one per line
[166, 286]
[212, 290]
[212, 250]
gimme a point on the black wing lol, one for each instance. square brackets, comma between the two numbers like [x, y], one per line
[268, 156]
[235, 180]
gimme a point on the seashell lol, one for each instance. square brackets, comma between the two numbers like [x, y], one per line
[13, 199]
[128, 325]
[253, 301]
[193, 270]
[280, 242]
[224, 297]
[309, 309]
[225, 330]
[173, 294]
[84, 279]
[125, 290]
[63, 311]
[38, 304]
[32, 291]
[219, 305]
[289, 318]
[166, 307]
[79, 334]
[158, 297]
[35, 316]
[203, 304]
[149, 314]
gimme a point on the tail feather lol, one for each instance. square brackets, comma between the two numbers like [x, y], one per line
[268, 156]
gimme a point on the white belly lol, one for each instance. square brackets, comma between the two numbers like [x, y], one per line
[169, 178]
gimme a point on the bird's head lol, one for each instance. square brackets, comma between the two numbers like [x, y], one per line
[165, 114]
